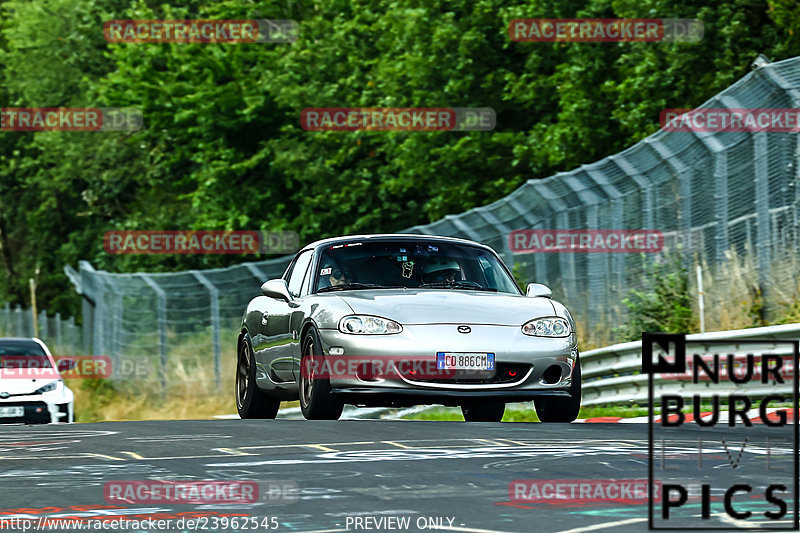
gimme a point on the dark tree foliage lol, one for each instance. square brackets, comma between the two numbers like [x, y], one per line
[222, 146]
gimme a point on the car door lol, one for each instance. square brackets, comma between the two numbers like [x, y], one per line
[274, 347]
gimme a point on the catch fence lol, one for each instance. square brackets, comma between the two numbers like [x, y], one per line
[714, 196]
[60, 335]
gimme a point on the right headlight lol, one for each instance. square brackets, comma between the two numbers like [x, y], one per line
[547, 327]
[369, 325]
[50, 387]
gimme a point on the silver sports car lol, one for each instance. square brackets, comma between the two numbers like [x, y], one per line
[401, 320]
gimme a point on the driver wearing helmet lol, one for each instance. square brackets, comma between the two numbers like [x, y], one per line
[443, 271]
[331, 276]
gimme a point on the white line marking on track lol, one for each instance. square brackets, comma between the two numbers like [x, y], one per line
[323, 531]
[605, 525]
[467, 529]
[319, 447]
[396, 444]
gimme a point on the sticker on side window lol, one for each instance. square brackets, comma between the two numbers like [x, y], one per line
[326, 271]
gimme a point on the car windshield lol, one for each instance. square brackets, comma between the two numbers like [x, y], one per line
[22, 354]
[411, 264]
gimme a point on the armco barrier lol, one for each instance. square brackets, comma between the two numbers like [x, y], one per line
[612, 375]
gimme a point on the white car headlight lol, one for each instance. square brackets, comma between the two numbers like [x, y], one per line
[50, 387]
[369, 325]
[547, 327]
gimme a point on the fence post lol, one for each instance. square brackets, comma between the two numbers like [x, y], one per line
[762, 247]
[721, 203]
[213, 293]
[77, 335]
[7, 319]
[685, 224]
[596, 275]
[20, 331]
[58, 329]
[162, 327]
[43, 329]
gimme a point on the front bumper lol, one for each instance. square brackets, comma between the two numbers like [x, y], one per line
[511, 347]
[47, 408]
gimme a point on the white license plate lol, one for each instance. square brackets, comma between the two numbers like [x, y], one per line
[12, 412]
[464, 361]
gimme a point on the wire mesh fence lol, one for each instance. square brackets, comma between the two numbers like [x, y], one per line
[714, 196]
[61, 336]
[181, 324]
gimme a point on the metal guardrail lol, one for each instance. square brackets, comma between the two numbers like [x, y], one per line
[612, 375]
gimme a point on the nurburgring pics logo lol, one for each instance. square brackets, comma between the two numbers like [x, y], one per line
[70, 119]
[527, 241]
[398, 119]
[201, 31]
[201, 242]
[587, 30]
[731, 120]
[732, 463]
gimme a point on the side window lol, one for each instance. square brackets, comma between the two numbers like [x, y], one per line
[298, 273]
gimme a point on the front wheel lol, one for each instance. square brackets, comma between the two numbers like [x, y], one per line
[483, 411]
[316, 400]
[250, 401]
[560, 409]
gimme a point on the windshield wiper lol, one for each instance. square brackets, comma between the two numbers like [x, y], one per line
[458, 285]
[350, 286]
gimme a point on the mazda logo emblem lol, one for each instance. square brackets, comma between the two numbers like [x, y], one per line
[4, 395]
[464, 329]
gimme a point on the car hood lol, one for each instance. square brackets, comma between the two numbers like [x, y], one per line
[434, 306]
[15, 384]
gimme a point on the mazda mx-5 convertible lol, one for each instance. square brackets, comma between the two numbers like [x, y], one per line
[401, 320]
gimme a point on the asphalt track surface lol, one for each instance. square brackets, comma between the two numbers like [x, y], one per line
[356, 468]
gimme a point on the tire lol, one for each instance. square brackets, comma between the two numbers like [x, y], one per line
[316, 400]
[483, 411]
[559, 409]
[251, 402]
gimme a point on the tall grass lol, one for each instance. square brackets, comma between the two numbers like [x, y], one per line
[191, 391]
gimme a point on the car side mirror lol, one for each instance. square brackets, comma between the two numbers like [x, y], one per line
[537, 289]
[276, 288]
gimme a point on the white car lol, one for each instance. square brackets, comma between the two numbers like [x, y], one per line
[31, 388]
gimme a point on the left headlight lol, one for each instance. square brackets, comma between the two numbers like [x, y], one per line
[48, 388]
[369, 325]
[547, 327]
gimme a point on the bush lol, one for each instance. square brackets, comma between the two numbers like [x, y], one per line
[664, 304]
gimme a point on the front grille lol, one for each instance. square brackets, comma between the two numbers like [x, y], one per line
[504, 373]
